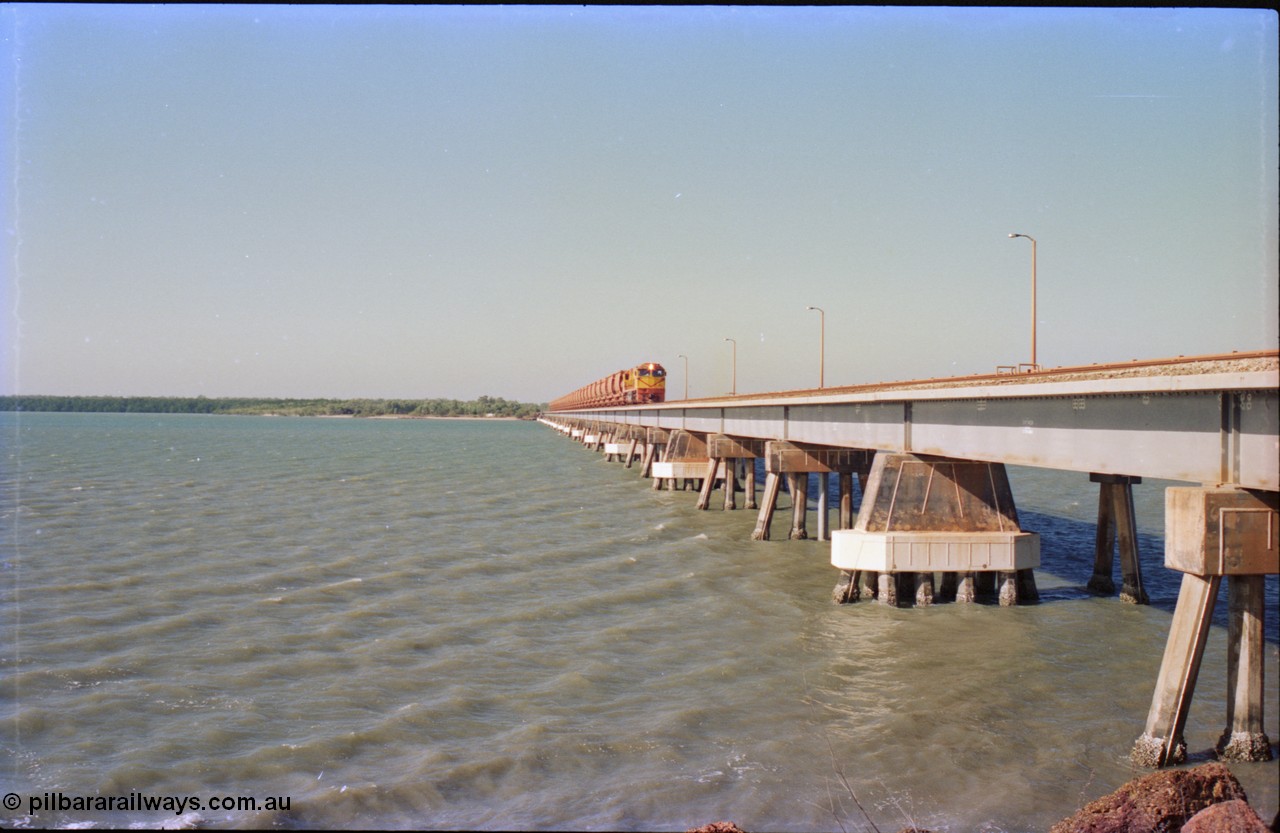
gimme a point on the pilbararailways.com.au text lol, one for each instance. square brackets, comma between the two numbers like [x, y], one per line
[141, 803]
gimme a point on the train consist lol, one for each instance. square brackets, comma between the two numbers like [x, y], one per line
[632, 386]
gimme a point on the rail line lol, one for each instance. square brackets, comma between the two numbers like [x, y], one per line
[1108, 369]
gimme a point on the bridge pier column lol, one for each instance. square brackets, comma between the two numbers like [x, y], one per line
[868, 581]
[1116, 518]
[1008, 588]
[647, 455]
[845, 486]
[798, 483]
[1028, 593]
[772, 483]
[1244, 738]
[655, 452]
[708, 483]
[922, 515]
[1211, 533]
[924, 589]
[853, 584]
[730, 482]
[824, 520]
[887, 589]
[947, 587]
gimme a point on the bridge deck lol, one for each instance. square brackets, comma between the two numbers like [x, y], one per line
[1200, 420]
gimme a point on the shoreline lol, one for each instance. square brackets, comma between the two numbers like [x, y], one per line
[419, 416]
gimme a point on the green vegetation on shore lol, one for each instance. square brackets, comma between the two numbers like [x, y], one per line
[482, 407]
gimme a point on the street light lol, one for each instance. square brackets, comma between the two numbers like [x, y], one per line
[822, 345]
[734, 392]
[686, 374]
[1034, 366]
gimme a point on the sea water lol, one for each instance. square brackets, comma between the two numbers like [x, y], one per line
[318, 623]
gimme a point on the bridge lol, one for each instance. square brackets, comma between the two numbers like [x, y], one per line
[930, 457]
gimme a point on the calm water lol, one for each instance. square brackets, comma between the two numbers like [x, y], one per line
[429, 624]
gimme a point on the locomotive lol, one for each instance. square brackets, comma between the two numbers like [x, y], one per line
[631, 386]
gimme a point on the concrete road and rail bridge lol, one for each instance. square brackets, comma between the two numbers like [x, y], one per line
[937, 518]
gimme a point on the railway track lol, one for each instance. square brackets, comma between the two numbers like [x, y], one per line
[1176, 366]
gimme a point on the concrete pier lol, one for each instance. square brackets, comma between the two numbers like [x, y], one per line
[623, 444]
[1212, 533]
[728, 453]
[796, 462]
[685, 461]
[922, 515]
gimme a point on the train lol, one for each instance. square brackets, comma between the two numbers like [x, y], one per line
[637, 385]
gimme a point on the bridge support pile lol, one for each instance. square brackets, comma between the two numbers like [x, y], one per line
[1211, 533]
[1116, 515]
[924, 515]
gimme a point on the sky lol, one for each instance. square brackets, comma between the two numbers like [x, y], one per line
[452, 201]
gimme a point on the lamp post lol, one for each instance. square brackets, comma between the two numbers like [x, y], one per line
[686, 374]
[822, 345]
[734, 391]
[1034, 365]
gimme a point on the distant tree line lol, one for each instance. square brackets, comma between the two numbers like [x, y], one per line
[484, 406]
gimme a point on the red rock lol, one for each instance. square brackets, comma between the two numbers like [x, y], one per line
[1161, 802]
[716, 827]
[1226, 817]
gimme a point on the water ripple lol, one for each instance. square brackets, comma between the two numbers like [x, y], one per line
[419, 624]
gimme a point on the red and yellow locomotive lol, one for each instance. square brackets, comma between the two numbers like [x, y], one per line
[633, 386]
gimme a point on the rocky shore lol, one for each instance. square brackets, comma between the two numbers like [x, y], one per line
[1204, 799]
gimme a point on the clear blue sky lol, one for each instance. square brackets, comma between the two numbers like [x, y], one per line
[448, 201]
